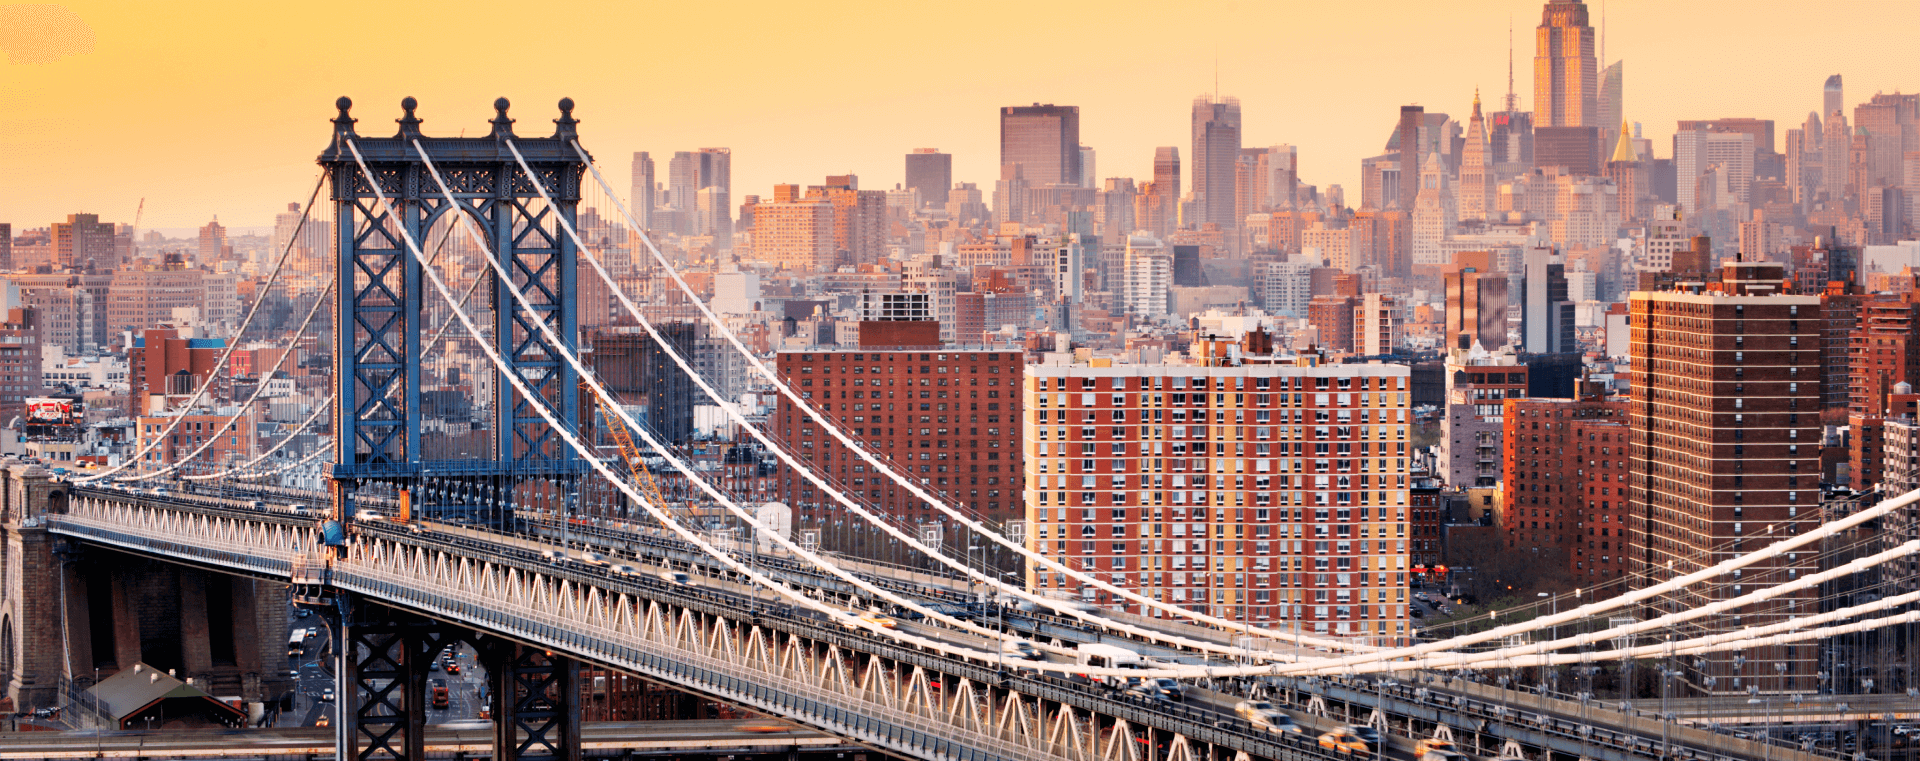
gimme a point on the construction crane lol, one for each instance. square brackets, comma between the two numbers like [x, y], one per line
[630, 452]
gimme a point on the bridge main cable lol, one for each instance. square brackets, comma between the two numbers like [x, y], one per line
[232, 346]
[1060, 606]
[607, 402]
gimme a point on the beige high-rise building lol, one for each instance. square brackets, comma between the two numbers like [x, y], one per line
[1566, 76]
[142, 297]
[1476, 192]
[84, 240]
[794, 232]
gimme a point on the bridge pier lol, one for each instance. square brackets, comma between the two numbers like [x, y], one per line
[535, 699]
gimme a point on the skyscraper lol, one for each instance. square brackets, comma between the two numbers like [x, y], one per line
[642, 199]
[1725, 420]
[1216, 145]
[1044, 140]
[83, 240]
[931, 173]
[1565, 74]
[1089, 178]
[1611, 107]
[1407, 140]
[1832, 97]
[1166, 190]
[1476, 192]
[213, 242]
[683, 179]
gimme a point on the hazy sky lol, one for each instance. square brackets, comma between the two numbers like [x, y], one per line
[219, 108]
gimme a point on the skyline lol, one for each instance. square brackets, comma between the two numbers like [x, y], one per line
[123, 139]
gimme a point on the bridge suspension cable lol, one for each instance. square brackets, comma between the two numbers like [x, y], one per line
[972, 524]
[317, 451]
[258, 390]
[618, 416]
[1769, 552]
[855, 507]
[568, 435]
[318, 410]
[225, 356]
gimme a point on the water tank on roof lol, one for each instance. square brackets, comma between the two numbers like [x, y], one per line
[1903, 387]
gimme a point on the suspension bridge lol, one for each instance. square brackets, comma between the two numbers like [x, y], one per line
[506, 526]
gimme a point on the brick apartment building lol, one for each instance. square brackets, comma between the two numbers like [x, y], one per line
[1269, 493]
[1725, 455]
[948, 418]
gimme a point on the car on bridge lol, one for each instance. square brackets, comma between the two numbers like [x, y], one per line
[1263, 715]
[1420, 749]
[1351, 740]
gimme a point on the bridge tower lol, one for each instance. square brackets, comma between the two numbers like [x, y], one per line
[411, 404]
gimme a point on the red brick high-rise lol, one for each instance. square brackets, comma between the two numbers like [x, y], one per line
[1725, 451]
[1547, 477]
[949, 419]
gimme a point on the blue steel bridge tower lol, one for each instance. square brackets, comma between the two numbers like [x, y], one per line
[434, 417]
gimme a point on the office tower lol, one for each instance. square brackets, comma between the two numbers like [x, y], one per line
[1434, 212]
[1339, 587]
[213, 243]
[1089, 174]
[683, 180]
[1114, 209]
[1725, 457]
[1407, 139]
[1476, 193]
[1510, 138]
[715, 168]
[642, 200]
[931, 173]
[1886, 215]
[1610, 108]
[1216, 146]
[1010, 195]
[1889, 122]
[6, 246]
[973, 458]
[1565, 74]
[715, 219]
[1165, 193]
[1696, 151]
[1044, 140]
[1476, 309]
[1836, 148]
[632, 364]
[1832, 97]
[966, 205]
[1546, 314]
[794, 232]
[859, 219]
[1804, 161]
[84, 241]
[1574, 149]
[1281, 169]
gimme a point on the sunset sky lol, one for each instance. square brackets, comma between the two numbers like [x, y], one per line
[219, 108]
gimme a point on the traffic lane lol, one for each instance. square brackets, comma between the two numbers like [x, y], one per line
[729, 733]
[1397, 747]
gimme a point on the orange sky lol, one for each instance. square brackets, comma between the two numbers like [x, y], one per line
[208, 108]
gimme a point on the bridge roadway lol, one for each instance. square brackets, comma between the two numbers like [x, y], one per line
[849, 683]
[470, 738]
[1616, 738]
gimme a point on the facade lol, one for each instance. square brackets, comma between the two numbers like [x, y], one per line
[1216, 148]
[1044, 140]
[792, 232]
[1376, 324]
[85, 242]
[642, 200]
[20, 372]
[1478, 384]
[1476, 309]
[1726, 442]
[638, 371]
[1566, 76]
[161, 363]
[1550, 479]
[951, 419]
[144, 296]
[1269, 493]
[930, 173]
[1600, 446]
[194, 430]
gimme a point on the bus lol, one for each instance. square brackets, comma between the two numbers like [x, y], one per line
[1098, 655]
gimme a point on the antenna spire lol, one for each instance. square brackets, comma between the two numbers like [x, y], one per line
[1513, 102]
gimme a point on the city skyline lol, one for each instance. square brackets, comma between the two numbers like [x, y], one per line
[1300, 83]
